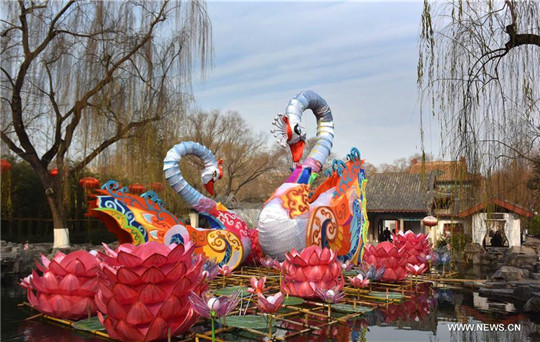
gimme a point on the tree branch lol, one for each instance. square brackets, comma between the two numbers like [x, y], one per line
[82, 103]
[121, 134]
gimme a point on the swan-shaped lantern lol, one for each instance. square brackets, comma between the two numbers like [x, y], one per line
[334, 214]
[139, 219]
[217, 215]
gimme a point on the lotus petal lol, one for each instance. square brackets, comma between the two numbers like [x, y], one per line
[57, 269]
[152, 294]
[313, 258]
[157, 329]
[125, 294]
[126, 276]
[128, 332]
[176, 272]
[326, 256]
[155, 260]
[45, 261]
[69, 284]
[170, 308]
[60, 305]
[76, 267]
[297, 260]
[83, 306]
[152, 275]
[177, 252]
[109, 272]
[115, 310]
[182, 287]
[139, 314]
[129, 260]
[151, 248]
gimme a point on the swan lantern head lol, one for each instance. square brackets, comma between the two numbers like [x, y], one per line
[211, 174]
[288, 130]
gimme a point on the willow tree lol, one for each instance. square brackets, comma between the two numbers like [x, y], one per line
[79, 76]
[479, 74]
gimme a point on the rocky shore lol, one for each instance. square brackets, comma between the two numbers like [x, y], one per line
[16, 258]
[517, 272]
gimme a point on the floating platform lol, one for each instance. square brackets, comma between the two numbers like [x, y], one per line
[297, 319]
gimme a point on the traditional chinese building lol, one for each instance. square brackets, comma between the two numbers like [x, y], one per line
[399, 201]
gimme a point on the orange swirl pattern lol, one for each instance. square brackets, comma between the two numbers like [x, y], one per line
[296, 201]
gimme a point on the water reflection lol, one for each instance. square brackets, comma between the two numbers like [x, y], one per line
[36, 331]
[426, 316]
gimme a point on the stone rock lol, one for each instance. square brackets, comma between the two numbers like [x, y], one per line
[508, 273]
[496, 284]
[532, 305]
[477, 259]
[535, 276]
[521, 260]
[523, 293]
[526, 250]
[473, 248]
[499, 293]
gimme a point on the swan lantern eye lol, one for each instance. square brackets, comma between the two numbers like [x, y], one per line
[297, 129]
[215, 174]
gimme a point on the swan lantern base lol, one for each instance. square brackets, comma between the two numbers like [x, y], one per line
[139, 219]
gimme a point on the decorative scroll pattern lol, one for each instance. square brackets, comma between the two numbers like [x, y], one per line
[343, 224]
[296, 201]
[146, 220]
[323, 229]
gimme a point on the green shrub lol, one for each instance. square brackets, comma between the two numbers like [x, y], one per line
[458, 241]
[534, 225]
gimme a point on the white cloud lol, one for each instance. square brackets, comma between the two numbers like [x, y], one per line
[361, 57]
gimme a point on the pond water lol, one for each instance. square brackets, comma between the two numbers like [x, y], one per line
[426, 317]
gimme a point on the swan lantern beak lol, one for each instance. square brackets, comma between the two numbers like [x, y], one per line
[210, 187]
[297, 150]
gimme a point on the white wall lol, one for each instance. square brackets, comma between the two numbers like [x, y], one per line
[512, 228]
[437, 231]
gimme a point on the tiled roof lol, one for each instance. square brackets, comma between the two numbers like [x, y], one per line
[446, 171]
[497, 205]
[399, 192]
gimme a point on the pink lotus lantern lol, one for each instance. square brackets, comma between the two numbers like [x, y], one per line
[67, 287]
[270, 304]
[416, 269]
[315, 265]
[416, 247]
[144, 290]
[359, 281]
[257, 286]
[387, 255]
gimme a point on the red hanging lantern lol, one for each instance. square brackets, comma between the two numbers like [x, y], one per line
[157, 187]
[137, 188]
[5, 165]
[430, 221]
[54, 172]
[89, 183]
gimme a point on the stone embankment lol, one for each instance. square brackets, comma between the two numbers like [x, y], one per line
[18, 258]
[517, 275]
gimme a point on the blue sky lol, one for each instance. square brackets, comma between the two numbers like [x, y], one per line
[360, 56]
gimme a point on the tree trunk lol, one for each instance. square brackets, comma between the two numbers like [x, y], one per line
[53, 192]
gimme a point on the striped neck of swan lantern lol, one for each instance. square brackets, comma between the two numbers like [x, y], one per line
[333, 215]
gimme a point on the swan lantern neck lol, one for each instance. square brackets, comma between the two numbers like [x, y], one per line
[288, 129]
[211, 173]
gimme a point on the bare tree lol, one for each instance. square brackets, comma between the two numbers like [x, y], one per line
[79, 76]
[479, 73]
[245, 153]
